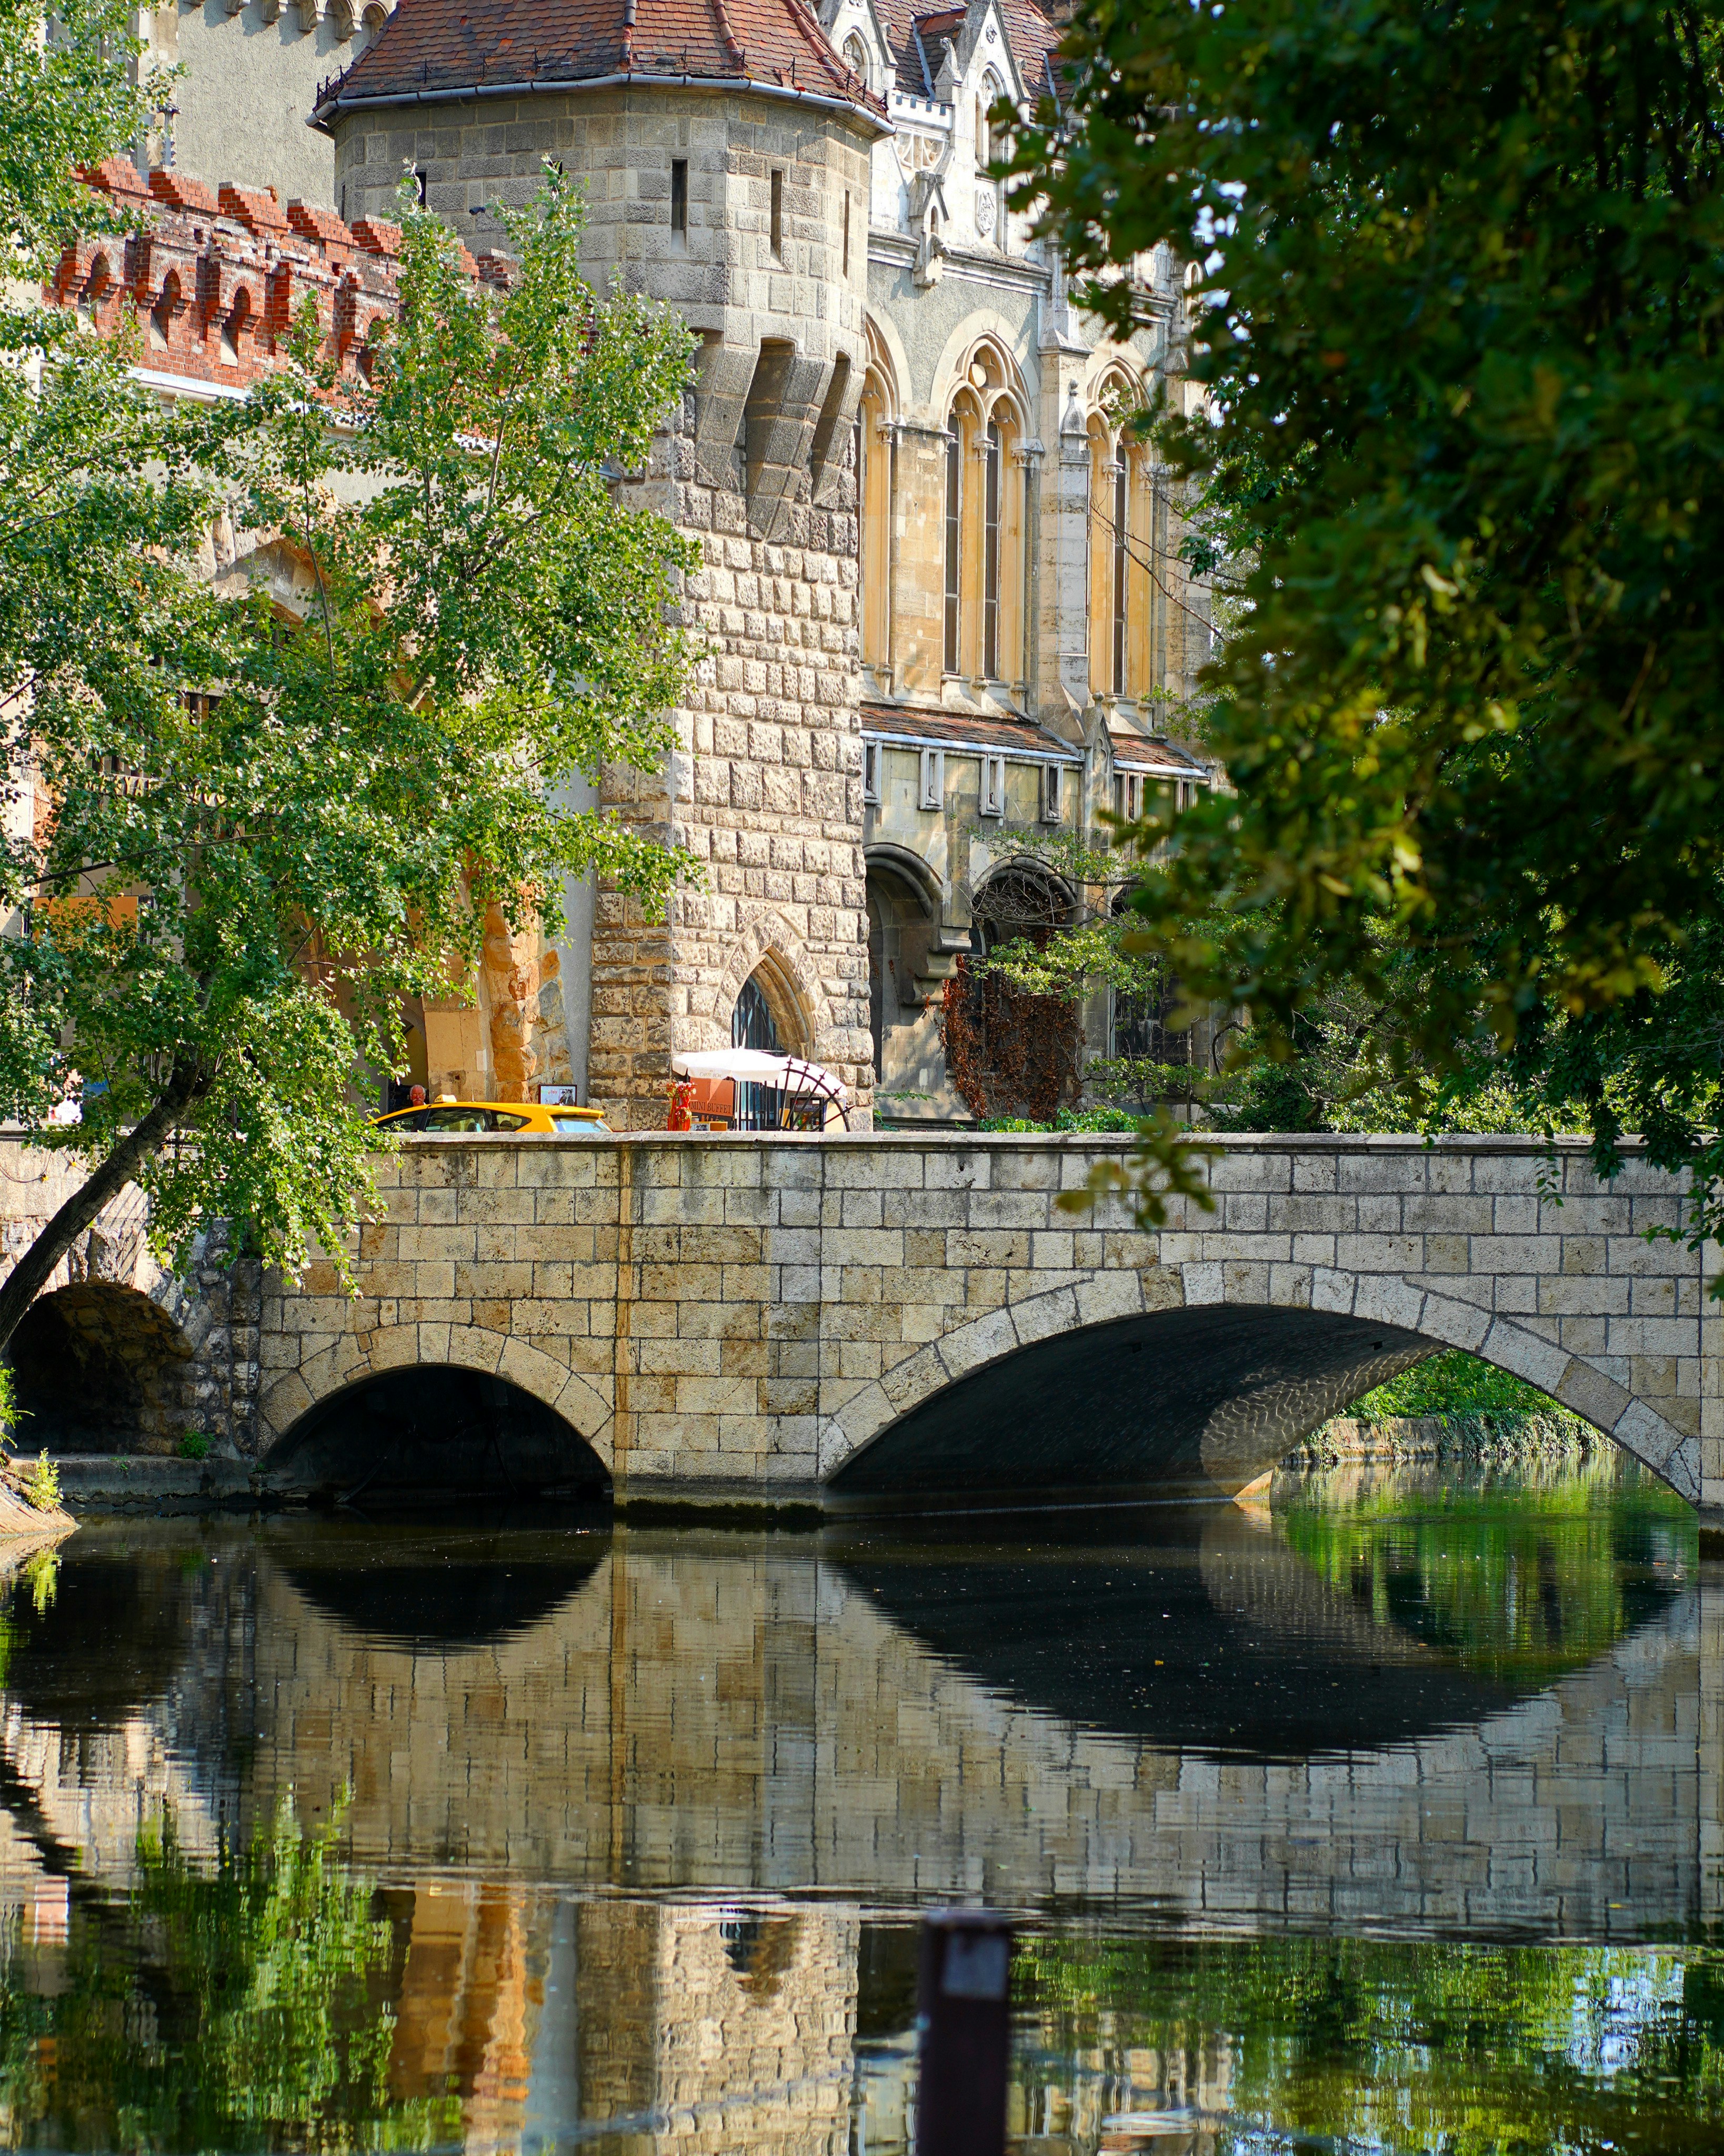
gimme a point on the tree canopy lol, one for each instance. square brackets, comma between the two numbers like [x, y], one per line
[1456, 301]
[305, 681]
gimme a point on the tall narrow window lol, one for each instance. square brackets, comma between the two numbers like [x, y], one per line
[859, 465]
[778, 214]
[991, 555]
[847, 231]
[1119, 578]
[954, 455]
[679, 197]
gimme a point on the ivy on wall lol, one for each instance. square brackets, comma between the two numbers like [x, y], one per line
[1009, 1052]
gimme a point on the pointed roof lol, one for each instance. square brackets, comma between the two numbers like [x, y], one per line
[430, 51]
[918, 39]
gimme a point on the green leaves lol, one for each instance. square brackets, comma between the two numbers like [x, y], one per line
[69, 96]
[308, 686]
[1457, 319]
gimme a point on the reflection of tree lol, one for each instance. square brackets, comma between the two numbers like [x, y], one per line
[1526, 1580]
[241, 2007]
[1396, 2045]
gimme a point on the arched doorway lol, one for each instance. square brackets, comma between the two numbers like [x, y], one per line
[767, 1015]
[1012, 1052]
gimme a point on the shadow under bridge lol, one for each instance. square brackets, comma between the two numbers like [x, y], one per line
[1199, 1400]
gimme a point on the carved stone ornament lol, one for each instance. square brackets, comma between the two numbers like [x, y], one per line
[985, 212]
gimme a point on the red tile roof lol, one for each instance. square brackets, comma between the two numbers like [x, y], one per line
[959, 728]
[1029, 32]
[428, 46]
[1139, 753]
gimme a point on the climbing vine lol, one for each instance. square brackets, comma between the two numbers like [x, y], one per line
[1009, 1052]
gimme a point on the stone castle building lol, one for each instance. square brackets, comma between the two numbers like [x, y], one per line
[941, 604]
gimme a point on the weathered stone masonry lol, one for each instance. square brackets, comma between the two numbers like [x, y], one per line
[744, 1316]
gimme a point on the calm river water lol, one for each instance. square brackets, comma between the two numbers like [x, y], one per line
[1383, 1820]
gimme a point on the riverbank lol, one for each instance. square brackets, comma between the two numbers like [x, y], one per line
[1472, 1440]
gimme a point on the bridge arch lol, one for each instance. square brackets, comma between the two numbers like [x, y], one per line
[99, 1364]
[1049, 1395]
[415, 1405]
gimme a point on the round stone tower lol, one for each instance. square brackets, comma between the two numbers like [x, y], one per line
[724, 150]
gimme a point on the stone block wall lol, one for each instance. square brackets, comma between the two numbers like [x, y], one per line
[743, 1316]
[120, 1353]
[764, 788]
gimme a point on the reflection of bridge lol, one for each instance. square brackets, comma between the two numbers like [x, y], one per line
[769, 1717]
[861, 1318]
[631, 1810]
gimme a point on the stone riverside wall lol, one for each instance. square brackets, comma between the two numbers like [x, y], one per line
[742, 1316]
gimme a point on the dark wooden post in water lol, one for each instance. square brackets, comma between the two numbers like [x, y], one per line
[964, 1999]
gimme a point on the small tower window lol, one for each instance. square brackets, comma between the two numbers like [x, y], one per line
[679, 197]
[778, 215]
[993, 786]
[847, 231]
[932, 792]
[870, 772]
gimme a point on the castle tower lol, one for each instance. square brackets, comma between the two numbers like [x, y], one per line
[725, 153]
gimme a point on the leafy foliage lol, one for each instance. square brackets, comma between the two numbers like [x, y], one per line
[308, 682]
[242, 2004]
[41, 1484]
[1457, 303]
[68, 99]
[1008, 1049]
[1455, 1384]
[1393, 2044]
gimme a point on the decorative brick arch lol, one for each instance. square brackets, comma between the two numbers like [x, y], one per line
[769, 940]
[1411, 1313]
[352, 1358]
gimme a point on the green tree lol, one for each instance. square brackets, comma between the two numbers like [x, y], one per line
[243, 2003]
[1456, 310]
[68, 99]
[284, 799]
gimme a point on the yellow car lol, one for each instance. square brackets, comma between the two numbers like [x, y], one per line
[515, 1118]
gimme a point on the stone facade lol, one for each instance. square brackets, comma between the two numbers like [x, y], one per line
[922, 522]
[118, 1353]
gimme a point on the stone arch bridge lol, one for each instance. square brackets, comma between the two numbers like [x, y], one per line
[870, 1318]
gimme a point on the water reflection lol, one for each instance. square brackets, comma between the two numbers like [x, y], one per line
[1393, 1817]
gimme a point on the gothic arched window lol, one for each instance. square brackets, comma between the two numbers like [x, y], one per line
[951, 658]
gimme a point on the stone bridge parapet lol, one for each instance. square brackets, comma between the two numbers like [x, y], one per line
[791, 1318]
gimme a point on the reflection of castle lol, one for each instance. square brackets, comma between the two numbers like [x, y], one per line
[943, 599]
[690, 2026]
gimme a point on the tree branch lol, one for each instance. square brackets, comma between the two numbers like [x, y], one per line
[32, 1271]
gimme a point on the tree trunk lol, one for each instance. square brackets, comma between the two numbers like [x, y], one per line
[33, 1271]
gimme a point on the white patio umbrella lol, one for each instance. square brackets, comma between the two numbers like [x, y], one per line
[760, 1066]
